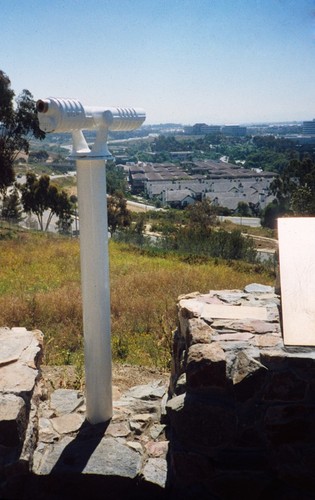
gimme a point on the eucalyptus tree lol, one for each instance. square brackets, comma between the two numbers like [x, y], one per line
[18, 123]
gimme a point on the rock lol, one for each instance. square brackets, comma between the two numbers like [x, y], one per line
[190, 308]
[65, 401]
[206, 366]
[233, 336]
[257, 288]
[239, 326]
[156, 430]
[284, 388]
[13, 420]
[201, 424]
[233, 297]
[127, 406]
[262, 327]
[105, 457]
[20, 350]
[199, 332]
[289, 424]
[211, 311]
[13, 343]
[143, 417]
[46, 432]
[119, 429]
[245, 367]
[155, 471]
[267, 341]
[135, 446]
[67, 423]
[176, 404]
[17, 378]
[180, 386]
[210, 299]
[157, 449]
[151, 392]
[138, 423]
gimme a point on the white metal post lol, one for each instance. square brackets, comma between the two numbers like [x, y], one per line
[91, 180]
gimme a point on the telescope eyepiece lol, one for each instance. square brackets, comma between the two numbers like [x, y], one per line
[42, 106]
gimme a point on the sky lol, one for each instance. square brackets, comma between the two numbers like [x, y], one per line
[183, 61]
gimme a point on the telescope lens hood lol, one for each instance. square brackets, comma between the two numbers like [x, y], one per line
[42, 106]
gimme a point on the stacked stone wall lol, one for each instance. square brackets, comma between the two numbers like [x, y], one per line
[242, 406]
[239, 423]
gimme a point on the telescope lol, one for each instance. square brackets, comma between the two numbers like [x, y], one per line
[69, 115]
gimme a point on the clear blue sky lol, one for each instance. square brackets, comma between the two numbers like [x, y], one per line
[187, 61]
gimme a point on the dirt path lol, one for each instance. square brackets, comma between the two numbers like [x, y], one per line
[124, 376]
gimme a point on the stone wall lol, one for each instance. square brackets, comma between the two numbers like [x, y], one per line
[20, 356]
[239, 423]
[47, 448]
[242, 407]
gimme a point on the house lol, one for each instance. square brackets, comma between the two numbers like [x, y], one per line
[178, 198]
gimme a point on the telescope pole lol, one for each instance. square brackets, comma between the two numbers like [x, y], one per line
[91, 180]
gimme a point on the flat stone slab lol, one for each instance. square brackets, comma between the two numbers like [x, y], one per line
[258, 288]
[155, 471]
[15, 343]
[67, 423]
[208, 312]
[211, 311]
[65, 401]
[104, 456]
[123, 448]
[146, 392]
[16, 378]
[19, 354]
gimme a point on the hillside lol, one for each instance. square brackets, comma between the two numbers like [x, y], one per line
[40, 288]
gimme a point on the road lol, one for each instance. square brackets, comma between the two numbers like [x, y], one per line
[242, 221]
[139, 207]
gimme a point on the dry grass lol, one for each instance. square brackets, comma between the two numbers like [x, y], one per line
[40, 288]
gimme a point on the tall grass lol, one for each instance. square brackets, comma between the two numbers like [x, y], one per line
[40, 288]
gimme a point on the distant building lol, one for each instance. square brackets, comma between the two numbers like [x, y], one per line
[309, 127]
[234, 130]
[178, 198]
[203, 129]
[181, 155]
[224, 183]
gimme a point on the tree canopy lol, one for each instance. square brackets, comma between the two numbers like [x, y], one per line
[294, 189]
[118, 213]
[18, 122]
[39, 196]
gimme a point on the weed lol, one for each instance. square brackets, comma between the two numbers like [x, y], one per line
[40, 288]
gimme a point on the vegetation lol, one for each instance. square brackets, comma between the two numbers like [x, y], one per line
[39, 195]
[40, 288]
[17, 124]
[115, 178]
[294, 189]
[118, 215]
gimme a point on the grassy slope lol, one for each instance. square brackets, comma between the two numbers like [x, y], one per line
[40, 288]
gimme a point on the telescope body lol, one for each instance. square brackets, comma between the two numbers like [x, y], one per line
[69, 115]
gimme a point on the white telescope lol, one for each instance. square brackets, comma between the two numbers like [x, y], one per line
[69, 115]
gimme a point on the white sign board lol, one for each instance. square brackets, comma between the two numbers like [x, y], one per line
[297, 278]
